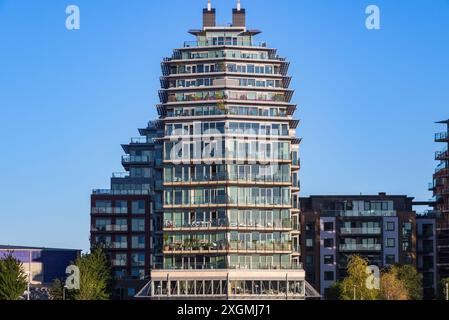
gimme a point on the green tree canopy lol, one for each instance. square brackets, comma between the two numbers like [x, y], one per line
[354, 287]
[411, 279]
[442, 289]
[95, 276]
[13, 280]
[391, 287]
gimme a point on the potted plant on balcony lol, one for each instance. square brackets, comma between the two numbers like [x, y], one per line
[221, 105]
[218, 96]
[221, 67]
[187, 245]
[166, 242]
[254, 245]
[279, 97]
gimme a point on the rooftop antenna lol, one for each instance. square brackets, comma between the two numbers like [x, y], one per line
[209, 5]
[239, 6]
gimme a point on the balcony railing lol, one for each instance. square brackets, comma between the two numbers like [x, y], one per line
[442, 155]
[225, 177]
[441, 137]
[108, 192]
[225, 246]
[110, 228]
[278, 97]
[109, 210]
[224, 265]
[141, 140]
[361, 231]
[120, 175]
[366, 213]
[226, 224]
[360, 247]
[230, 201]
[136, 159]
[212, 43]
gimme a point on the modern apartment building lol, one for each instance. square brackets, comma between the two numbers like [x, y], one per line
[209, 205]
[426, 251]
[127, 218]
[440, 188]
[381, 228]
[42, 265]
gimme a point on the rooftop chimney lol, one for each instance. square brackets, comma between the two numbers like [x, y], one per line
[209, 19]
[238, 16]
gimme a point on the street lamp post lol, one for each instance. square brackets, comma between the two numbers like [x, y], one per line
[29, 275]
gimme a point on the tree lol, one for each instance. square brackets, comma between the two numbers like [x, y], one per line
[411, 279]
[95, 276]
[57, 290]
[13, 280]
[442, 289]
[354, 286]
[391, 287]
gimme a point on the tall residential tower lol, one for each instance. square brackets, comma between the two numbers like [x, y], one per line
[440, 188]
[209, 207]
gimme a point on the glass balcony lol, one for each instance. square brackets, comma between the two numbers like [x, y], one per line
[120, 175]
[226, 42]
[141, 140]
[226, 224]
[349, 214]
[442, 137]
[200, 246]
[108, 192]
[109, 210]
[219, 96]
[360, 247]
[110, 228]
[360, 231]
[136, 159]
[227, 177]
[224, 265]
[442, 155]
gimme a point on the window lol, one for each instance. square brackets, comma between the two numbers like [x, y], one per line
[138, 242]
[131, 292]
[329, 226]
[407, 229]
[138, 225]
[427, 230]
[138, 207]
[328, 243]
[137, 273]
[329, 259]
[138, 259]
[390, 226]
[309, 243]
[390, 259]
[391, 243]
[329, 276]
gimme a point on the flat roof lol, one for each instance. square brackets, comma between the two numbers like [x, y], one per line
[10, 247]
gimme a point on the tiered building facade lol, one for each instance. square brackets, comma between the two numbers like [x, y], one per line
[209, 205]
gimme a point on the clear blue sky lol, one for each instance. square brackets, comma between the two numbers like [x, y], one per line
[368, 99]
